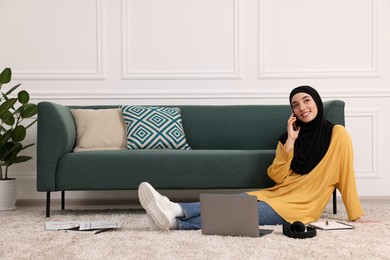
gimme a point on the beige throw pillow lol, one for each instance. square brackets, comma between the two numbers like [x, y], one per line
[99, 129]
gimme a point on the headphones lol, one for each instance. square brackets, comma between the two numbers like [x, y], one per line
[298, 230]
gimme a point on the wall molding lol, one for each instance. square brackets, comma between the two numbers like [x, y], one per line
[97, 74]
[371, 173]
[128, 74]
[266, 73]
[132, 95]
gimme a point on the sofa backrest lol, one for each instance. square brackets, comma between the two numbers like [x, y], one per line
[240, 127]
[243, 127]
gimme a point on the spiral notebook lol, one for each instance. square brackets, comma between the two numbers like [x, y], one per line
[331, 225]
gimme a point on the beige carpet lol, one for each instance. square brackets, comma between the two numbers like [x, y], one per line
[22, 236]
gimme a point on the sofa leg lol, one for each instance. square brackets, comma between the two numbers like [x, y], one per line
[48, 204]
[63, 200]
[334, 202]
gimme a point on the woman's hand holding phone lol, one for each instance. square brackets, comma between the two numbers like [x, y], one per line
[292, 131]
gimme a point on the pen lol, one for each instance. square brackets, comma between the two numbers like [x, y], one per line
[102, 230]
[349, 225]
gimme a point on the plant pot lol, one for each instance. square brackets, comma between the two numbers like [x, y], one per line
[7, 194]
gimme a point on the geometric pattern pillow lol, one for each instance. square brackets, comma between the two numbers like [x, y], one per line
[154, 128]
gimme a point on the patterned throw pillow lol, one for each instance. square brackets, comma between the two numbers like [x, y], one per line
[154, 128]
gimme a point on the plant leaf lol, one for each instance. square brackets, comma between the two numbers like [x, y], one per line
[7, 105]
[2, 129]
[7, 150]
[5, 137]
[29, 110]
[11, 90]
[21, 159]
[5, 76]
[7, 117]
[33, 122]
[19, 133]
[23, 97]
[27, 146]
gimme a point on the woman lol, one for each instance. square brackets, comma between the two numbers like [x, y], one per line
[312, 158]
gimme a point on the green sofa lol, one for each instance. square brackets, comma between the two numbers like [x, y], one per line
[232, 147]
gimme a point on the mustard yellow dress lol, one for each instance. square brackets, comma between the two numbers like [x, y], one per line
[304, 197]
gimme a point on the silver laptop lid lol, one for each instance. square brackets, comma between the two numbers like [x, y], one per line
[229, 215]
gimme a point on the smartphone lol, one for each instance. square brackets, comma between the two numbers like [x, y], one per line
[295, 128]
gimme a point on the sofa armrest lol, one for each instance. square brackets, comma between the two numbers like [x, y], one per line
[56, 136]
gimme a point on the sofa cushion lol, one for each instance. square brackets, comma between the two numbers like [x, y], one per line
[99, 129]
[154, 128]
[165, 169]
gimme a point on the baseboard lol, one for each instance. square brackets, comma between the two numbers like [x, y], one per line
[80, 203]
[134, 203]
[375, 199]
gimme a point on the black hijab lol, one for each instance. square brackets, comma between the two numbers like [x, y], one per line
[314, 137]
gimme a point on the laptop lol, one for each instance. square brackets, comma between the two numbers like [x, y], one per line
[230, 215]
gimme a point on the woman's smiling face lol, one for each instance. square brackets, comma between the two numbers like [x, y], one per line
[304, 107]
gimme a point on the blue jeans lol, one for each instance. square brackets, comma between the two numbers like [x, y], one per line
[191, 220]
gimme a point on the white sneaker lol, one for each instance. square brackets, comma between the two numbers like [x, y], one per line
[156, 205]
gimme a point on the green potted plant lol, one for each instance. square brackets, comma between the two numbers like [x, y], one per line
[14, 108]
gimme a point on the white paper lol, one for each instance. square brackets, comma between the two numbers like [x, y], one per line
[98, 225]
[81, 226]
[62, 225]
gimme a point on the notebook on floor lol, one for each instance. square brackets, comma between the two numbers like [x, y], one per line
[230, 215]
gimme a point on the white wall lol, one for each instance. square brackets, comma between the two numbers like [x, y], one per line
[207, 52]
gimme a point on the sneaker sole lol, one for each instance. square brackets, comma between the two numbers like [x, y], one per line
[152, 225]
